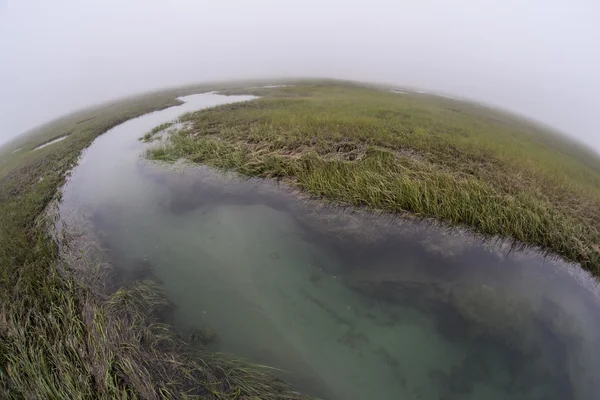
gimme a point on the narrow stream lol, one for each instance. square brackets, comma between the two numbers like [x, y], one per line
[347, 305]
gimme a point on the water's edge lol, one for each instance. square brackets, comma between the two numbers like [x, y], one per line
[350, 303]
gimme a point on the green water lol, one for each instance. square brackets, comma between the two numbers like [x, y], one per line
[345, 306]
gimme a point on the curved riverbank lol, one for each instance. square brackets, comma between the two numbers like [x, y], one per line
[56, 325]
[346, 304]
[419, 154]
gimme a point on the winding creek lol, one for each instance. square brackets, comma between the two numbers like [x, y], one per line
[345, 305]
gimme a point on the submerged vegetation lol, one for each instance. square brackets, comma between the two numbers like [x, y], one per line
[423, 154]
[62, 338]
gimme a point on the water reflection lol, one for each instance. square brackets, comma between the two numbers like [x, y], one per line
[349, 305]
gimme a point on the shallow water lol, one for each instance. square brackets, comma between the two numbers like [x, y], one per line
[50, 143]
[346, 305]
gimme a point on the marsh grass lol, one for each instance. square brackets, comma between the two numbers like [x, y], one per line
[430, 156]
[149, 137]
[62, 337]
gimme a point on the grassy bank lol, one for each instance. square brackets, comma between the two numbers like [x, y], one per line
[61, 338]
[427, 155]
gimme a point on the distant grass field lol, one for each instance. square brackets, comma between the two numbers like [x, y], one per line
[60, 338]
[427, 155]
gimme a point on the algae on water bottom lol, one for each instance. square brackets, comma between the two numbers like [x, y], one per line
[341, 330]
[409, 313]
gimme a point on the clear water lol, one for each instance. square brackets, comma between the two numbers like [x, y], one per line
[347, 306]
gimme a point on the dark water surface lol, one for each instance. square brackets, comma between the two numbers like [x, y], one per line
[346, 305]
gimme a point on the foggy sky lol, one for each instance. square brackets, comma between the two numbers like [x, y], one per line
[539, 58]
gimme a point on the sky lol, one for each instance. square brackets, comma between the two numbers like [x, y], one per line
[538, 58]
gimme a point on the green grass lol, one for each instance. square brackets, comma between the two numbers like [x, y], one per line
[149, 137]
[61, 338]
[458, 162]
